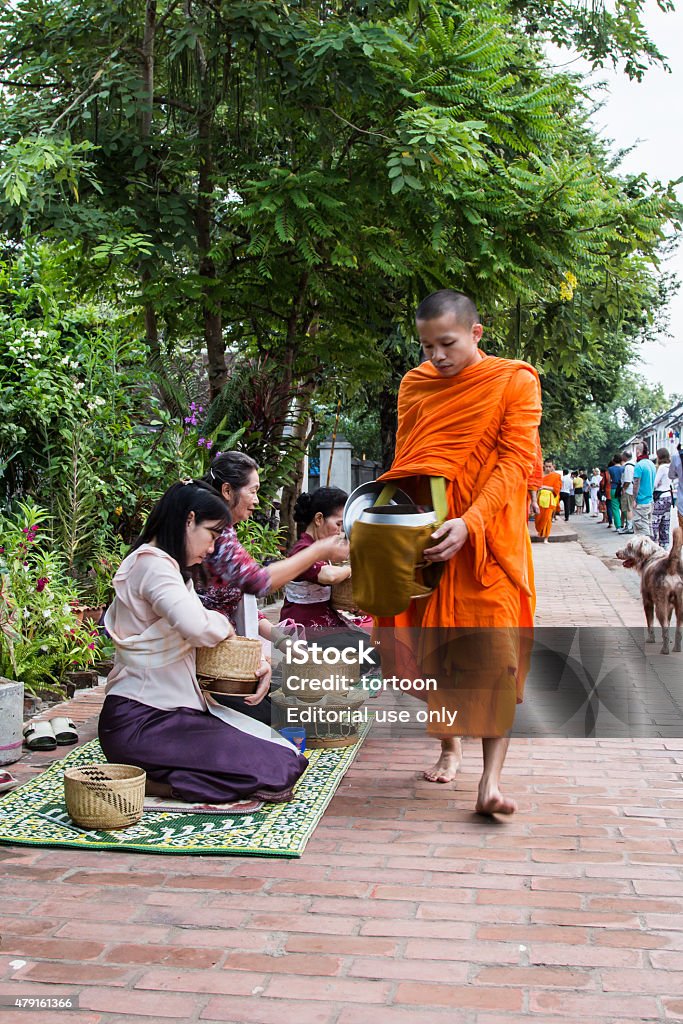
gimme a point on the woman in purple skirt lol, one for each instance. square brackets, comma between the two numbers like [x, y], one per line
[155, 715]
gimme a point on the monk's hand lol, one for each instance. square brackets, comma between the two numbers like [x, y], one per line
[451, 536]
[263, 672]
[535, 507]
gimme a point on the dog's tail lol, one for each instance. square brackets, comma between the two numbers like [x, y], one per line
[673, 564]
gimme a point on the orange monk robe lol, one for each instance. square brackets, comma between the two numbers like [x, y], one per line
[536, 476]
[544, 520]
[479, 430]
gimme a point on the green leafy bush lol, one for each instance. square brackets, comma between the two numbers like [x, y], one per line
[41, 637]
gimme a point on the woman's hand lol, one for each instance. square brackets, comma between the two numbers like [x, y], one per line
[451, 536]
[331, 574]
[332, 549]
[264, 673]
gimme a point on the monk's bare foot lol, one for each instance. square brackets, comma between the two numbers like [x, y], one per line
[446, 768]
[492, 801]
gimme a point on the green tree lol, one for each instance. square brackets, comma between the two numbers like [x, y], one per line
[287, 179]
[602, 429]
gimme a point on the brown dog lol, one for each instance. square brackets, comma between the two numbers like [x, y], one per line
[661, 583]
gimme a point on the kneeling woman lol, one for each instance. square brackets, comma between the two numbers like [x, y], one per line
[308, 598]
[155, 715]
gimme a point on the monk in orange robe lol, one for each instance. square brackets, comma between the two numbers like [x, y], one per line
[535, 481]
[548, 497]
[472, 419]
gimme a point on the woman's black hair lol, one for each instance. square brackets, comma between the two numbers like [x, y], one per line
[234, 468]
[167, 520]
[325, 500]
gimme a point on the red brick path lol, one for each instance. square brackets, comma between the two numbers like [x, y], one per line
[405, 909]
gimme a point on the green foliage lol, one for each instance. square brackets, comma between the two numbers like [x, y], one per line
[602, 33]
[81, 429]
[40, 636]
[276, 189]
[602, 428]
[263, 543]
[350, 157]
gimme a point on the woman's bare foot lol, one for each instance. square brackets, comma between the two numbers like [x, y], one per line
[492, 801]
[446, 768]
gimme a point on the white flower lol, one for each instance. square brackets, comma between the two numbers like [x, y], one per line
[65, 361]
[79, 385]
[47, 614]
[66, 610]
[43, 647]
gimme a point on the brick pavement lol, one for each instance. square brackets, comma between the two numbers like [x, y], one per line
[406, 907]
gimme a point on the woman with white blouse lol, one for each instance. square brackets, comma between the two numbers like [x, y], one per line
[155, 715]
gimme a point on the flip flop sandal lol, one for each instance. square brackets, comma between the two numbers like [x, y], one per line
[39, 736]
[65, 731]
[7, 781]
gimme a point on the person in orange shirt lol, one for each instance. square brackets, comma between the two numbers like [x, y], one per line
[548, 498]
[472, 419]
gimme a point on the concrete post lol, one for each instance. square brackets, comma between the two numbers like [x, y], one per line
[341, 463]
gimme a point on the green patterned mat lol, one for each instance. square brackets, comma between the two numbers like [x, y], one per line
[35, 815]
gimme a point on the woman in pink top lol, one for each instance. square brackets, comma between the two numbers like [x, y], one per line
[155, 715]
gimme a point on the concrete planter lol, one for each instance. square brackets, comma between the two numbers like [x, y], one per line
[11, 719]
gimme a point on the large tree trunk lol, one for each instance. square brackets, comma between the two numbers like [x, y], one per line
[148, 68]
[211, 305]
[147, 89]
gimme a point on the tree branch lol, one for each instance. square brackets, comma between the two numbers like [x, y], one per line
[98, 74]
[167, 101]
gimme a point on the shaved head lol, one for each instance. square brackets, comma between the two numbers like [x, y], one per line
[447, 301]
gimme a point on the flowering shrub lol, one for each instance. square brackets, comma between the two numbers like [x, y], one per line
[41, 637]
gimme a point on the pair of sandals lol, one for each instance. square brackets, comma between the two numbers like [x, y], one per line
[50, 734]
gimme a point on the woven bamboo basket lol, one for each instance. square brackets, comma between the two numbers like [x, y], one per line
[104, 796]
[230, 667]
[305, 679]
[342, 596]
[319, 732]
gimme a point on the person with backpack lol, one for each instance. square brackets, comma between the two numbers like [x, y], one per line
[627, 500]
[616, 472]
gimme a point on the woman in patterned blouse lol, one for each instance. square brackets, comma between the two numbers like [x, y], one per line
[229, 572]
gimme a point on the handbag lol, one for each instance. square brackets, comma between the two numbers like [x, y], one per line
[387, 544]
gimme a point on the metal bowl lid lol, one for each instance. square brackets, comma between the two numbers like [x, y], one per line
[364, 497]
[398, 515]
